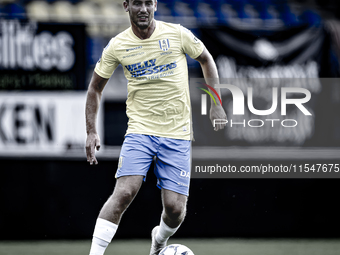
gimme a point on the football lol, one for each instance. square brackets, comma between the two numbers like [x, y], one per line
[176, 249]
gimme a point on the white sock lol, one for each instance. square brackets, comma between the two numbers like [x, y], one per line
[102, 236]
[98, 246]
[164, 232]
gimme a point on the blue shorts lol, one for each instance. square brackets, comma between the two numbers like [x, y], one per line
[172, 160]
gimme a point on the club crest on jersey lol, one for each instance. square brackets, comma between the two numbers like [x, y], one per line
[164, 44]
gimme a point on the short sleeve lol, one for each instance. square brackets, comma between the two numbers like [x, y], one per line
[108, 61]
[191, 45]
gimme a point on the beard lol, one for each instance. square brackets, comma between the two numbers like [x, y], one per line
[143, 24]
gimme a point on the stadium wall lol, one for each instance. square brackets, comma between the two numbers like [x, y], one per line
[60, 199]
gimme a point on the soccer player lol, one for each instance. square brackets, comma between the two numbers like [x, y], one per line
[152, 54]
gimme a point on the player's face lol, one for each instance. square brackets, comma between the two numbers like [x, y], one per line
[141, 12]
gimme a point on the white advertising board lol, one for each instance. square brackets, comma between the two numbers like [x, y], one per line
[43, 123]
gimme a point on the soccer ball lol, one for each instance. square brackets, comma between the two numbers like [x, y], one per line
[176, 249]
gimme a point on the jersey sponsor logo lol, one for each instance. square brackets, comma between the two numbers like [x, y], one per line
[135, 48]
[135, 54]
[148, 67]
[164, 44]
[166, 53]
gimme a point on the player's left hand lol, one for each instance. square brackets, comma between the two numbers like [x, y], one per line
[217, 113]
[92, 143]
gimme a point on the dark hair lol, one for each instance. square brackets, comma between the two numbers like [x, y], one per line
[128, 1]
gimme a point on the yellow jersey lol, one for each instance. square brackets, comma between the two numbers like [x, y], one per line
[158, 101]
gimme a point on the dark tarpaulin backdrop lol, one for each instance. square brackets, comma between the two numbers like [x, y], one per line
[300, 57]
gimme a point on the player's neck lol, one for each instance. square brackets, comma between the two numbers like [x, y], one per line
[144, 33]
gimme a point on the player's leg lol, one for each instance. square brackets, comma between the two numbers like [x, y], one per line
[135, 158]
[173, 172]
[174, 210]
[124, 192]
[109, 217]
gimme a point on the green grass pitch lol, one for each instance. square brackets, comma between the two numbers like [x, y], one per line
[198, 246]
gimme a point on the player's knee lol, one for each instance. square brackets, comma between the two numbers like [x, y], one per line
[175, 211]
[123, 199]
[127, 197]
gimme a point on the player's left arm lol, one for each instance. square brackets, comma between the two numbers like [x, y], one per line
[210, 74]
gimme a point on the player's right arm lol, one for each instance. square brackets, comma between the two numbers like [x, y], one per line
[94, 94]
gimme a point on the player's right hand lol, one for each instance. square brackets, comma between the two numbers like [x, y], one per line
[92, 144]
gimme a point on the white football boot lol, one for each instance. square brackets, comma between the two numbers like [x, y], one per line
[155, 247]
